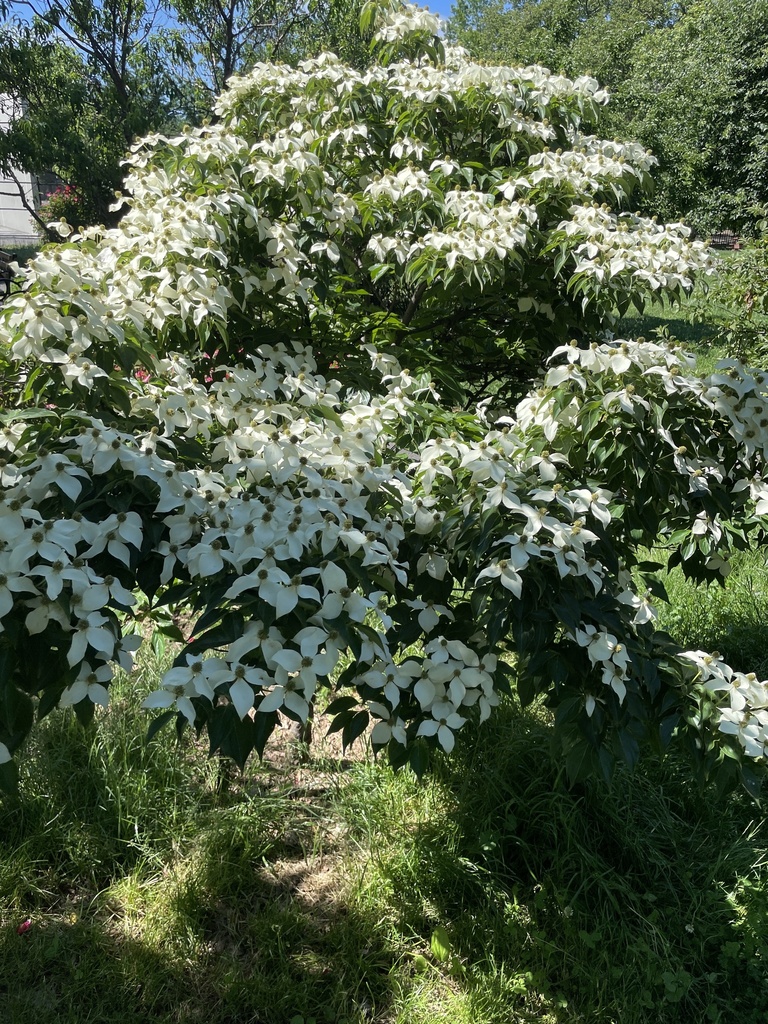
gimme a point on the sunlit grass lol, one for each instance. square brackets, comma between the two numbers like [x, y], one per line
[731, 618]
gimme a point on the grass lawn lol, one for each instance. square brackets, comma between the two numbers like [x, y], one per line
[677, 318]
[665, 317]
[161, 888]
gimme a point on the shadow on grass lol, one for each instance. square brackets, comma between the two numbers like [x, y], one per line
[152, 898]
[266, 955]
[637, 902]
[698, 335]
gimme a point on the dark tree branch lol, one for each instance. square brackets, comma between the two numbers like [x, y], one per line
[413, 305]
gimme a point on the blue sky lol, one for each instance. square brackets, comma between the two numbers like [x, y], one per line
[441, 7]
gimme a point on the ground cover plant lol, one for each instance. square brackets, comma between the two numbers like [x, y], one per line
[211, 407]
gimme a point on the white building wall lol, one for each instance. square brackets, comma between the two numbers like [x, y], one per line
[16, 226]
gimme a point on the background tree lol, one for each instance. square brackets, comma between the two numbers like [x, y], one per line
[47, 99]
[84, 81]
[560, 34]
[696, 95]
[113, 40]
[86, 78]
[688, 81]
[206, 43]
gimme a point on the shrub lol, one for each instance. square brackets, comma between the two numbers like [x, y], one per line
[67, 205]
[738, 303]
[213, 410]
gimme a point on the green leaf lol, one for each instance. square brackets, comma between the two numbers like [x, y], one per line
[340, 704]
[355, 728]
[527, 690]
[578, 761]
[171, 630]
[9, 778]
[28, 414]
[157, 723]
[7, 665]
[264, 724]
[84, 711]
[418, 758]
[176, 594]
[752, 781]
[630, 749]
[229, 629]
[16, 711]
[49, 700]
[148, 575]
[378, 270]
[440, 944]
[341, 720]
[230, 735]
[568, 710]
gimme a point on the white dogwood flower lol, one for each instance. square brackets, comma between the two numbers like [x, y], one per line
[89, 684]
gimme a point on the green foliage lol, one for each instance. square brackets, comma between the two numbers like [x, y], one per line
[71, 117]
[593, 35]
[696, 97]
[688, 81]
[211, 408]
[737, 305]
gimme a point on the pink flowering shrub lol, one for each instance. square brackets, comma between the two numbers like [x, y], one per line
[68, 205]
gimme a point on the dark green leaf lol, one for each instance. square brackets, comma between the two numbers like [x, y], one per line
[341, 704]
[158, 723]
[355, 728]
[418, 758]
[230, 735]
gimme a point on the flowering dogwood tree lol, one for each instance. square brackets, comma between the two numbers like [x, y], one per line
[231, 404]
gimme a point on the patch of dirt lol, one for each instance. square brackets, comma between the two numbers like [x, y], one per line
[307, 769]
